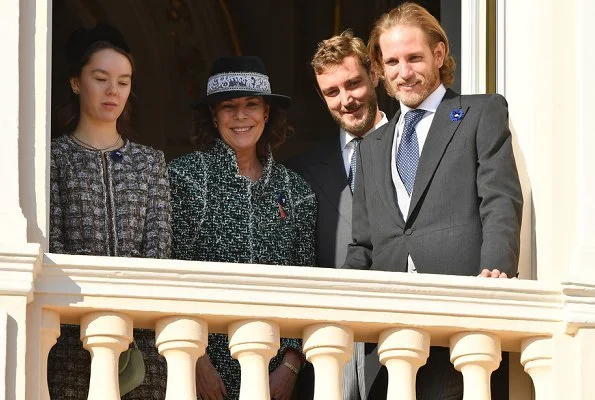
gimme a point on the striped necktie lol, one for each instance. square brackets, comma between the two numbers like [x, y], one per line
[353, 163]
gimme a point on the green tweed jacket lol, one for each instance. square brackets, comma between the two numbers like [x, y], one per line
[220, 215]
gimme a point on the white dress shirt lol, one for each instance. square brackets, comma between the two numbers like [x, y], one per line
[347, 145]
[430, 104]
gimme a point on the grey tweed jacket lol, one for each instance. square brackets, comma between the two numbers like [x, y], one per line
[114, 203]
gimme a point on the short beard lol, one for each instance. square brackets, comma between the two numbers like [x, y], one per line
[413, 101]
[365, 125]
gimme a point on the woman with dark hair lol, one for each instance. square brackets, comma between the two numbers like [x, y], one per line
[108, 195]
[232, 203]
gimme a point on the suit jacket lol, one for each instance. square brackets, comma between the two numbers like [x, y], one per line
[466, 203]
[323, 169]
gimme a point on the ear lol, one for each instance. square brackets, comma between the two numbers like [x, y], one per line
[75, 85]
[439, 54]
[267, 111]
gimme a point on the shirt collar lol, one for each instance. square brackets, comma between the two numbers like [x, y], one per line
[346, 137]
[431, 102]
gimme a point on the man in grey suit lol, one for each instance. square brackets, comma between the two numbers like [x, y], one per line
[345, 82]
[437, 190]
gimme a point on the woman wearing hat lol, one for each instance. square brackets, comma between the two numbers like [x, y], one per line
[108, 195]
[231, 202]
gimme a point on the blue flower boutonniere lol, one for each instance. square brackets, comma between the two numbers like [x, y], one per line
[456, 115]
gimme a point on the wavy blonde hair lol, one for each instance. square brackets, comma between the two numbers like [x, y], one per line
[414, 15]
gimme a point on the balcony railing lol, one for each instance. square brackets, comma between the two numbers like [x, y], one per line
[548, 323]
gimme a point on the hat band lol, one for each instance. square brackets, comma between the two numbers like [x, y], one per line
[238, 81]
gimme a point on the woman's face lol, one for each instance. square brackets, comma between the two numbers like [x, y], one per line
[241, 122]
[103, 86]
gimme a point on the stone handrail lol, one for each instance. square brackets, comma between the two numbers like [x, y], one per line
[329, 309]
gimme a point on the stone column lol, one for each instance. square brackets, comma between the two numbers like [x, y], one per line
[403, 351]
[181, 340]
[105, 334]
[328, 347]
[536, 357]
[13, 226]
[476, 355]
[253, 343]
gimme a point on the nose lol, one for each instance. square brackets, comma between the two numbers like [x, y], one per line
[345, 97]
[405, 70]
[112, 88]
[240, 113]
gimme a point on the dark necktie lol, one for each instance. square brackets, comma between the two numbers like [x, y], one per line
[353, 163]
[408, 152]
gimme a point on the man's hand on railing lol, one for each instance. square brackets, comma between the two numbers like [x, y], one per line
[282, 379]
[493, 273]
[209, 385]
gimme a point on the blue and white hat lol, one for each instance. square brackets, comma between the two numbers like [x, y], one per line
[240, 76]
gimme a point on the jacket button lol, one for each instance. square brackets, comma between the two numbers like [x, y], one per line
[408, 231]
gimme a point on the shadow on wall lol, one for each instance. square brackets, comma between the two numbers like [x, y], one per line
[528, 258]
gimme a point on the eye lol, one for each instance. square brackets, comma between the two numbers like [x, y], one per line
[100, 79]
[354, 83]
[124, 83]
[330, 93]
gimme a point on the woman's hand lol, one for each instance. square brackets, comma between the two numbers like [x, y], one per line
[282, 379]
[209, 385]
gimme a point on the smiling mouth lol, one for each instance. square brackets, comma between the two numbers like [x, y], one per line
[408, 85]
[242, 129]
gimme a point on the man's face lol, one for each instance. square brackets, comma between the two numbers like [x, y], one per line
[348, 90]
[411, 67]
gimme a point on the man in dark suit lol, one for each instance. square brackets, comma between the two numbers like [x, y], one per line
[437, 189]
[345, 82]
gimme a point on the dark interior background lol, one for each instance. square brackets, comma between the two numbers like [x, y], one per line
[174, 43]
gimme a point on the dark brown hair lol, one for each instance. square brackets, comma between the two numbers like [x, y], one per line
[275, 132]
[66, 115]
[414, 15]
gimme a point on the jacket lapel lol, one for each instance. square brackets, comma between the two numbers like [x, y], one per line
[381, 161]
[439, 136]
[329, 175]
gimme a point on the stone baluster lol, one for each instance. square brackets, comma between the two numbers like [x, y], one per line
[105, 334]
[50, 331]
[536, 357]
[328, 347]
[181, 340]
[253, 343]
[403, 351]
[476, 355]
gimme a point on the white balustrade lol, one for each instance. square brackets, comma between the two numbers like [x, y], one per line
[253, 343]
[403, 351]
[181, 340]
[536, 357]
[105, 334]
[476, 355]
[50, 331]
[328, 347]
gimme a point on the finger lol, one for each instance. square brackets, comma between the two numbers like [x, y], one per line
[503, 275]
[484, 273]
[495, 273]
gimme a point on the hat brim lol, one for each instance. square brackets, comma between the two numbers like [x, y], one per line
[277, 99]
